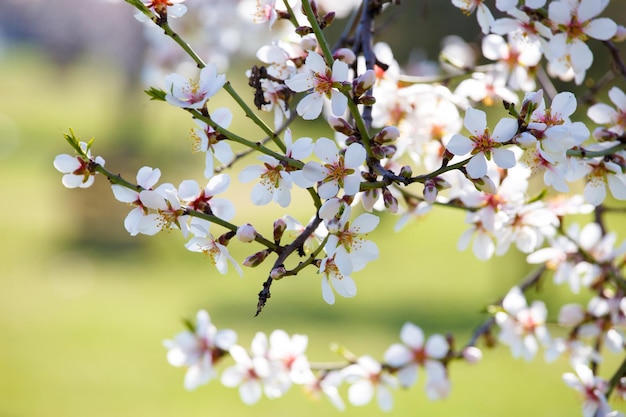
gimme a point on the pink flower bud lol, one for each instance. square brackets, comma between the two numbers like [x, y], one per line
[391, 203]
[341, 126]
[279, 228]
[406, 171]
[430, 191]
[364, 82]
[346, 55]
[387, 134]
[308, 43]
[278, 272]
[485, 184]
[256, 259]
[246, 233]
[472, 354]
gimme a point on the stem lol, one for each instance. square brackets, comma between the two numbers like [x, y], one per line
[614, 381]
[486, 326]
[323, 43]
[249, 113]
[257, 146]
[583, 153]
[227, 86]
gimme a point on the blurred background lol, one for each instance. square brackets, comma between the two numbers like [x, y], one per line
[84, 307]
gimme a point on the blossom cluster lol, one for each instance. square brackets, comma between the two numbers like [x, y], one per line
[272, 365]
[402, 145]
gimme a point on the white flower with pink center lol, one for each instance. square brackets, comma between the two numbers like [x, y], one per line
[337, 171]
[483, 14]
[265, 12]
[276, 177]
[591, 387]
[598, 175]
[147, 177]
[570, 57]
[203, 242]
[166, 211]
[346, 241]
[368, 379]
[604, 114]
[192, 94]
[77, 170]
[415, 352]
[319, 81]
[204, 200]
[482, 144]
[522, 328]
[248, 373]
[206, 139]
[199, 350]
[332, 278]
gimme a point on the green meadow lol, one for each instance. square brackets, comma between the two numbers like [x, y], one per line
[84, 307]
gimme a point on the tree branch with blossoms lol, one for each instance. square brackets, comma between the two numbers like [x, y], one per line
[389, 132]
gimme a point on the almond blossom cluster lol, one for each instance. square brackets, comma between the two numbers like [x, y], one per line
[273, 364]
[492, 137]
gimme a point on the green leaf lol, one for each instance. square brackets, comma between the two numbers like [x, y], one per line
[155, 94]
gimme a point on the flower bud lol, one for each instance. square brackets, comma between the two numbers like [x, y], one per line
[256, 259]
[391, 203]
[327, 20]
[367, 100]
[530, 103]
[304, 30]
[246, 233]
[279, 228]
[225, 238]
[278, 272]
[364, 82]
[346, 55]
[430, 191]
[341, 126]
[308, 43]
[472, 354]
[406, 171]
[387, 134]
[485, 184]
[571, 315]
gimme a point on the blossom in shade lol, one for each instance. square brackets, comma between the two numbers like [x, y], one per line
[483, 14]
[569, 55]
[613, 117]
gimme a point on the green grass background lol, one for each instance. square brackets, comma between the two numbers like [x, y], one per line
[84, 307]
